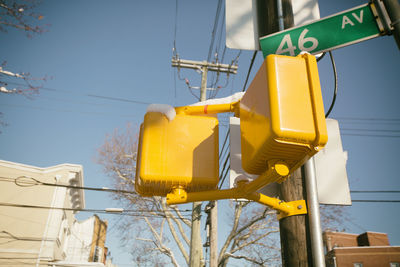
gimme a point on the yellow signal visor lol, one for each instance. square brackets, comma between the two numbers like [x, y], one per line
[182, 153]
[282, 114]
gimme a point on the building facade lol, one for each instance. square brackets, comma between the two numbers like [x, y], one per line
[369, 249]
[37, 221]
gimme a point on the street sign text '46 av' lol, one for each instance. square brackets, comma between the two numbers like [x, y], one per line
[342, 29]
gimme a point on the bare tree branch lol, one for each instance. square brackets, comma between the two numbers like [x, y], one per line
[238, 211]
[252, 242]
[246, 258]
[179, 214]
[159, 244]
[174, 234]
[252, 237]
[178, 222]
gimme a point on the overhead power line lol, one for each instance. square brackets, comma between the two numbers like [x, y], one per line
[117, 211]
[375, 201]
[372, 135]
[214, 31]
[375, 191]
[91, 95]
[371, 130]
[369, 119]
[25, 181]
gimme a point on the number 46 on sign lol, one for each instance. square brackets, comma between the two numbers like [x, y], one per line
[342, 29]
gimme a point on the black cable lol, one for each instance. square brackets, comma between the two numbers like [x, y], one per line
[250, 67]
[321, 57]
[371, 130]
[174, 50]
[374, 191]
[375, 201]
[370, 119]
[119, 99]
[372, 135]
[30, 181]
[226, 139]
[335, 87]
[244, 88]
[224, 154]
[214, 29]
[123, 212]
[226, 172]
[89, 95]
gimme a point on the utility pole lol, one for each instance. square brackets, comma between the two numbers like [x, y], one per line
[195, 241]
[393, 8]
[214, 234]
[293, 229]
[300, 244]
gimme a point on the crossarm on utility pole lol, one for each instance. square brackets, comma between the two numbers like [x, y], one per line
[199, 65]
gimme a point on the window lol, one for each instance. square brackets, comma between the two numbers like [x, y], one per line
[358, 264]
[394, 264]
[98, 254]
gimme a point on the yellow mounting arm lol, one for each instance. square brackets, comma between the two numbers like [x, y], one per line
[209, 109]
[246, 190]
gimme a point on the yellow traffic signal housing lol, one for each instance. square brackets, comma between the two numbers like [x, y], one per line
[282, 125]
[282, 114]
[181, 153]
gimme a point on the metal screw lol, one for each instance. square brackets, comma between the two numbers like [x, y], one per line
[299, 207]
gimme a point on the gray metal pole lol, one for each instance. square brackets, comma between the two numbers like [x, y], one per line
[317, 245]
[393, 10]
[281, 22]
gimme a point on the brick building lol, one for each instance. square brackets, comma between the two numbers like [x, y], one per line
[365, 250]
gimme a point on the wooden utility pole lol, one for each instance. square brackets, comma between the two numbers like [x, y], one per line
[196, 247]
[214, 235]
[293, 230]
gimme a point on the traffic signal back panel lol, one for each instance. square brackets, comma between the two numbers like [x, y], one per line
[178, 153]
[282, 114]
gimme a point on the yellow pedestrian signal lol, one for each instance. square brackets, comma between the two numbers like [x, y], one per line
[182, 152]
[281, 114]
[282, 124]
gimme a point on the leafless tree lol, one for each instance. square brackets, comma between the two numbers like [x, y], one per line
[163, 230]
[20, 15]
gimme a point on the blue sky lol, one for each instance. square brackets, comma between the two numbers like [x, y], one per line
[123, 49]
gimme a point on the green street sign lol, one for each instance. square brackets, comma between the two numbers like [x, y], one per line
[341, 29]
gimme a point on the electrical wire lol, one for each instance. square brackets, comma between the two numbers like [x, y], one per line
[374, 191]
[174, 51]
[375, 201]
[226, 172]
[24, 181]
[226, 139]
[250, 67]
[394, 120]
[371, 135]
[90, 95]
[30, 181]
[371, 130]
[243, 89]
[137, 213]
[321, 57]
[335, 86]
[214, 29]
